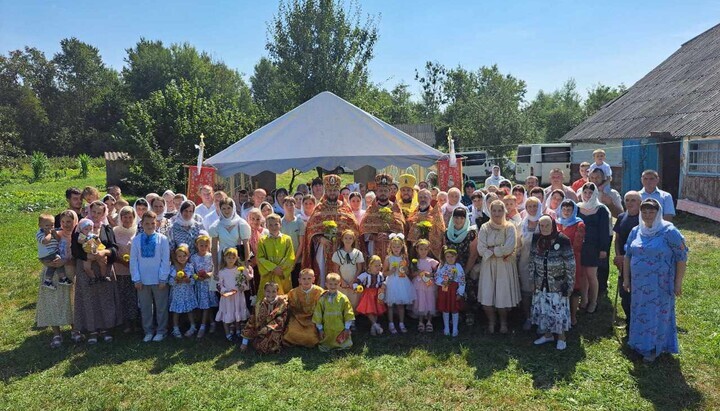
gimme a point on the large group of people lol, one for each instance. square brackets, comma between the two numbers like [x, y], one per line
[276, 270]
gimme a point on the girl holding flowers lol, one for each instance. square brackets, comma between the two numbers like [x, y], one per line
[370, 285]
[451, 279]
[205, 281]
[125, 231]
[400, 290]
[351, 261]
[233, 280]
[425, 289]
[182, 291]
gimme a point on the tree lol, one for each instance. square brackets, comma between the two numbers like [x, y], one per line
[433, 94]
[160, 132]
[557, 113]
[313, 46]
[600, 95]
[491, 115]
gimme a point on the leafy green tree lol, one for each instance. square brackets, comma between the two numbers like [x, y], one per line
[600, 95]
[160, 133]
[433, 95]
[313, 46]
[556, 113]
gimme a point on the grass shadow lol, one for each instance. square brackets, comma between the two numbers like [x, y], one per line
[662, 382]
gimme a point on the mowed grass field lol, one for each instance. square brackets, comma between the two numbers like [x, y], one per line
[473, 371]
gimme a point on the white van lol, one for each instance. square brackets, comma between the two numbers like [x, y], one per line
[539, 159]
[475, 165]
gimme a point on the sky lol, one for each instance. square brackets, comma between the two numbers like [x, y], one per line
[544, 43]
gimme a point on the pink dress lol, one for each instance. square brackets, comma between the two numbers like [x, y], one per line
[425, 295]
[232, 308]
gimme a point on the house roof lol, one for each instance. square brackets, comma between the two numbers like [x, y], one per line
[325, 131]
[116, 155]
[681, 96]
[422, 132]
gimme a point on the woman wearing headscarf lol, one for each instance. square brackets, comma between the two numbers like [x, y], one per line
[654, 267]
[462, 237]
[574, 229]
[229, 231]
[124, 234]
[162, 223]
[553, 201]
[499, 286]
[169, 196]
[468, 188]
[484, 215]
[453, 202]
[597, 233]
[54, 307]
[528, 227]
[552, 263]
[280, 195]
[97, 306]
[185, 229]
[518, 191]
[141, 205]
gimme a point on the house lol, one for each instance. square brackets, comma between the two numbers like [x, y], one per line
[668, 121]
[117, 168]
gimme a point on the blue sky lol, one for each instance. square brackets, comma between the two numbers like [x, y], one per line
[541, 42]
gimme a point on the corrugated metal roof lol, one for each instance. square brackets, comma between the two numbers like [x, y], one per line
[681, 96]
[422, 132]
[116, 155]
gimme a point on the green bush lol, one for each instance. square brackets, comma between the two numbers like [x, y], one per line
[40, 165]
[84, 161]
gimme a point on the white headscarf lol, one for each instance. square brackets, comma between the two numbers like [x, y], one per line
[182, 221]
[119, 229]
[658, 224]
[594, 201]
[232, 221]
[524, 226]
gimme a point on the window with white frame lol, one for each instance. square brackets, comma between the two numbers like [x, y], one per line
[704, 158]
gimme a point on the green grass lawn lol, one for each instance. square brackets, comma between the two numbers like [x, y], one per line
[474, 371]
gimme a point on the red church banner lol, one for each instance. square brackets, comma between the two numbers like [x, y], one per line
[449, 177]
[196, 179]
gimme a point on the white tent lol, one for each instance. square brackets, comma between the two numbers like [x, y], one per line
[325, 131]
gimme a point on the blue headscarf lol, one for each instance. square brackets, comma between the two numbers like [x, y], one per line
[455, 235]
[573, 219]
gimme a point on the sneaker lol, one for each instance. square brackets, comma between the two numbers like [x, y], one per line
[49, 284]
[191, 331]
[542, 340]
[65, 281]
[379, 329]
[455, 333]
[176, 333]
[201, 332]
[561, 345]
[159, 337]
[446, 331]
[230, 337]
[402, 328]
[527, 325]
[392, 329]
[373, 330]
[148, 337]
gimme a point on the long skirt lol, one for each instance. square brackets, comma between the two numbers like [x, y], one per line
[550, 312]
[54, 307]
[128, 298]
[98, 306]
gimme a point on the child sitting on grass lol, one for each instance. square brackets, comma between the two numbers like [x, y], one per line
[267, 325]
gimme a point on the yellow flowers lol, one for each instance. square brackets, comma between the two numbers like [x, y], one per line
[414, 260]
[359, 289]
[395, 265]
[425, 224]
[126, 258]
[180, 274]
[385, 211]
[195, 277]
[241, 268]
[329, 224]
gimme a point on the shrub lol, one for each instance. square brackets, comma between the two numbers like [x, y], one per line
[40, 165]
[84, 161]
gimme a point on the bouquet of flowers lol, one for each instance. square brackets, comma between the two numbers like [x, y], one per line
[181, 277]
[126, 258]
[424, 227]
[359, 289]
[201, 275]
[330, 230]
[240, 278]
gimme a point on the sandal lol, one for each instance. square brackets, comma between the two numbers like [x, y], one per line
[56, 341]
[421, 327]
[429, 327]
[392, 329]
[93, 339]
[106, 337]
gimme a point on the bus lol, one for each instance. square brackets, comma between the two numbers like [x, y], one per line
[539, 159]
[475, 165]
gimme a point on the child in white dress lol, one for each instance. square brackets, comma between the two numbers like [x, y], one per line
[350, 260]
[400, 290]
[233, 280]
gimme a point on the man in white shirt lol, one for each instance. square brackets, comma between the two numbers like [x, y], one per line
[650, 180]
[257, 199]
[612, 199]
[214, 215]
[207, 205]
[556, 183]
